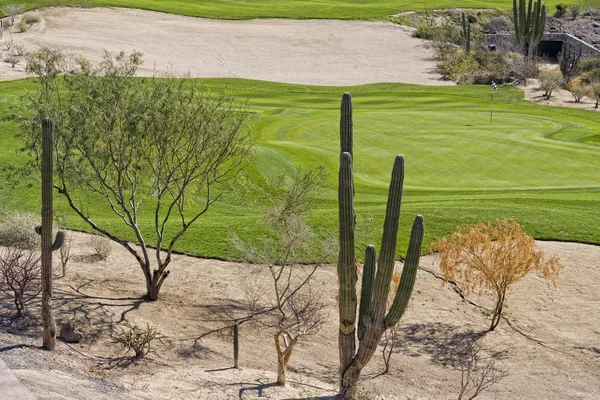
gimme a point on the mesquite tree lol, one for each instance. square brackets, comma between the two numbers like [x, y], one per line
[374, 317]
[140, 146]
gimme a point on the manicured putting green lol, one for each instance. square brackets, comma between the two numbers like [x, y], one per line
[538, 165]
[329, 9]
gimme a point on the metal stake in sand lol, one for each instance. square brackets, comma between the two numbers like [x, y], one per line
[236, 345]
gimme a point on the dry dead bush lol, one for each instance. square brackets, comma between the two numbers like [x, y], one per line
[279, 295]
[20, 274]
[65, 254]
[102, 247]
[135, 338]
[492, 256]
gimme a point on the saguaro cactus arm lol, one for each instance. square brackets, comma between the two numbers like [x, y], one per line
[366, 294]
[409, 273]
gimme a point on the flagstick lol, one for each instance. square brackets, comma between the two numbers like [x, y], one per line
[491, 100]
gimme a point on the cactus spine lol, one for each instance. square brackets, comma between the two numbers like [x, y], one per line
[465, 32]
[48, 246]
[372, 317]
[529, 25]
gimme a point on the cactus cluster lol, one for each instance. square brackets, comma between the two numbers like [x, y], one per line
[373, 318]
[529, 25]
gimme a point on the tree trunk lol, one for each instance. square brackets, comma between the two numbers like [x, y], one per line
[154, 284]
[280, 369]
[497, 312]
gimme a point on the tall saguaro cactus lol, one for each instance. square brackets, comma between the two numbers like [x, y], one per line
[46, 231]
[529, 25]
[373, 317]
[465, 32]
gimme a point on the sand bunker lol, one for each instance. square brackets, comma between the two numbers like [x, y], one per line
[315, 52]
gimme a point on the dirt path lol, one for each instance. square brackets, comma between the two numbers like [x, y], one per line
[314, 52]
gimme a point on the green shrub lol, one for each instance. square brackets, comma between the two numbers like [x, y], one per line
[561, 9]
[480, 66]
[22, 26]
[589, 64]
[31, 19]
[18, 230]
[579, 89]
[550, 80]
[497, 25]
[446, 32]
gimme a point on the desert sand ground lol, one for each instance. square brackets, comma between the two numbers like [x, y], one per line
[313, 52]
[551, 349]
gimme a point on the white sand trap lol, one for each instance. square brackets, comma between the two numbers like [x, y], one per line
[316, 52]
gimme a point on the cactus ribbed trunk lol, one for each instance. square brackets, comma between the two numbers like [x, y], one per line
[48, 323]
[529, 25]
[372, 318]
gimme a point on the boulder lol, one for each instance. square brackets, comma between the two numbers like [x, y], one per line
[69, 333]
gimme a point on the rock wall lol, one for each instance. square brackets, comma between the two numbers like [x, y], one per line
[507, 42]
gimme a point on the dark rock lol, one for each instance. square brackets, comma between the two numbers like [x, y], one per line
[69, 333]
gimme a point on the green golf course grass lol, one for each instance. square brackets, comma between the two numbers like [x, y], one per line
[538, 165]
[301, 9]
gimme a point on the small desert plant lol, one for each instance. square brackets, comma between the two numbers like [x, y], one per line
[65, 254]
[522, 68]
[573, 12]
[22, 26]
[14, 54]
[31, 19]
[492, 256]
[550, 80]
[561, 10]
[102, 247]
[135, 338]
[596, 93]
[18, 230]
[20, 273]
[11, 11]
[497, 25]
[579, 89]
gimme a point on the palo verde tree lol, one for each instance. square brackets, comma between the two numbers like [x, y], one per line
[492, 256]
[374, 317]
[280, 296]
[152, 146]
